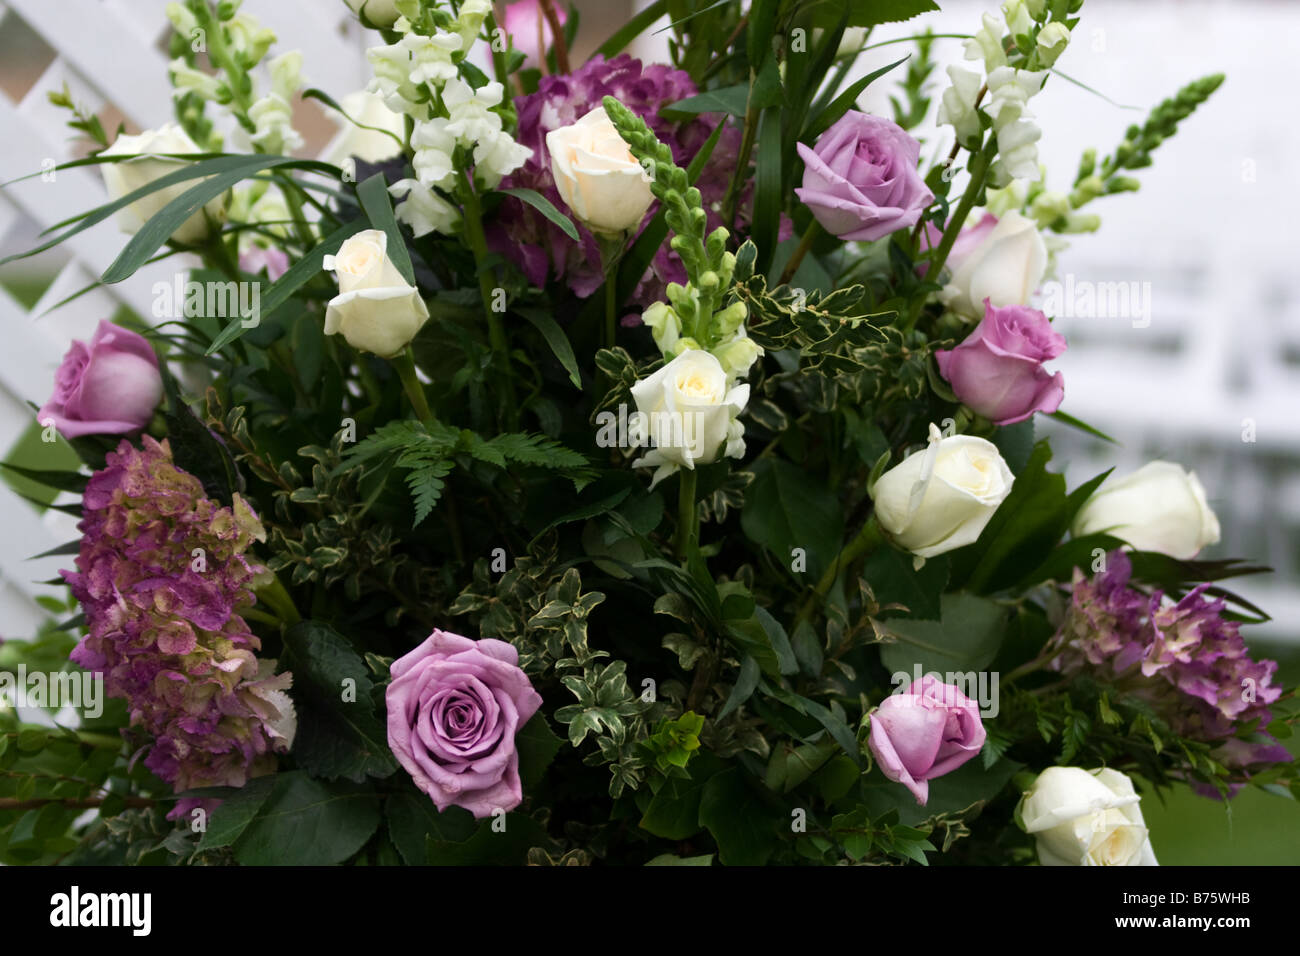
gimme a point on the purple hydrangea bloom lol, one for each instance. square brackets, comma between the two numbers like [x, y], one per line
[1184, 658]
[540, 248]
[162, 578]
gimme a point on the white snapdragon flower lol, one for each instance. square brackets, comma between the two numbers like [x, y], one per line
[402, 69]
[1052, 41]
[957, 106]
[986, 44]
[286, 74]
[469, 111]
[431, 57]
[1009, 93]
[470, 20]
[1018, 19]
[434, 145]
[499, 156]
[423, 209]
[186, 79]
[273, 117]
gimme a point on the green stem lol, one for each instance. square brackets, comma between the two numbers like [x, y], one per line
[862, 544]
[274, 596]
[90, 739]
[404, 362]
[477, 239]
[688, 531]
[805, 244]
[611, 254]
[979, 169]
[742, 162]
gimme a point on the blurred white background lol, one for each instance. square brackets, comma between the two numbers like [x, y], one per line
[1212, 231]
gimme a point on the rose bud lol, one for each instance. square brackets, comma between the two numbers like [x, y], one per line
[860, 180]
[998, 369]
[925, 732]
[129, 175]
[108, 386]
[1005, 267]
[376, 310]
[598, 177]
[941, 498]
[1160, 507]
[1086, 818]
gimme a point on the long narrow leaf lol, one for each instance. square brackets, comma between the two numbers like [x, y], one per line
[846, 100]
[297, 275]
[632, 29]
[557, 340]
[373, 194]
[546, 208]
[161, 225]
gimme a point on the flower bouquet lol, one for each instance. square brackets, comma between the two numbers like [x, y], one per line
[615, 462]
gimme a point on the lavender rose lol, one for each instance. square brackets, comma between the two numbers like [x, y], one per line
[454, 706]
[924, 733]
[860, 181]
[108, 386]
[998, 371]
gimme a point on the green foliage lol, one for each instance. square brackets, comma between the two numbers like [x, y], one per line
[429, 452]
[341, 726]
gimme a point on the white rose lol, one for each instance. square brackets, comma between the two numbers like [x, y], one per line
[597, 175]
[1086, 818]
[126, 177]
[1160, 507]
[376, 309]
[941, 498]
[689, 412]
[382, 13]
[368, 145]
[1005, 268]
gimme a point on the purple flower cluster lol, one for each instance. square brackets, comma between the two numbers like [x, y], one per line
[539, 247]
[1184, 658]
[162, 577]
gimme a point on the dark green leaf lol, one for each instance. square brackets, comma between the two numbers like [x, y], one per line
[546, 208]
[373, 194]
[307, 822]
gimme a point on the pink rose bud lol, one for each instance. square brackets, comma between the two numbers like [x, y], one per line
[454, 706]
[108, 386]
[998, 371]
[860, 180]
[274, 261]
[924, 733]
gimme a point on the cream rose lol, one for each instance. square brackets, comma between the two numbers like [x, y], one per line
[1160, 507]
[1086, 818]
[376, 310]
[689, 412]
[941, 498]
[597, 175]
[368, 145]
[1005, 268]
[126, 177]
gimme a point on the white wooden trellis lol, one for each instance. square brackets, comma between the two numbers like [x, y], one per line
[108, 53]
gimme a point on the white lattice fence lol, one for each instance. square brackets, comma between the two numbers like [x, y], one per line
[109, 53]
